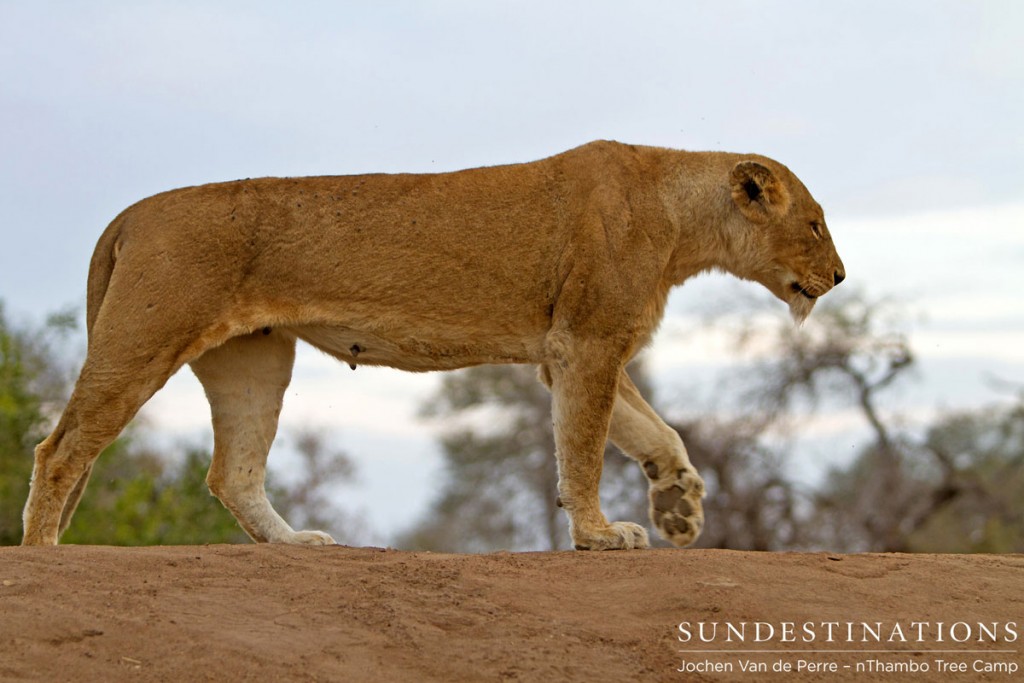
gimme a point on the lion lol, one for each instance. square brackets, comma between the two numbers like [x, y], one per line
[564, 263]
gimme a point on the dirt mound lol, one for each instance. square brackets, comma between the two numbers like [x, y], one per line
[361, 614]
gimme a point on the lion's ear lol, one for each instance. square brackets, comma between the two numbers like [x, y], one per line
[757, 191]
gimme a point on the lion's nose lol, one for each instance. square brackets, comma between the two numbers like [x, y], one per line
[839, 276]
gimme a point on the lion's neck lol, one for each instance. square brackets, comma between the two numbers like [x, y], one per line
[699, 206]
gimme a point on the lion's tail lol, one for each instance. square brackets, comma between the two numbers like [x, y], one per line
[101, 268]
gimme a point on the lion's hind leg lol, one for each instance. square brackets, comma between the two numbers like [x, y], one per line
[676, 489]
[113, 385]
[73, 499]
[245, 380]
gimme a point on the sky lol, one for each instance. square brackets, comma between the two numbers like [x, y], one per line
[903, 119]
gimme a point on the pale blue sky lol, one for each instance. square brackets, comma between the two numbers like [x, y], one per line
[903, 118]
[884, 108]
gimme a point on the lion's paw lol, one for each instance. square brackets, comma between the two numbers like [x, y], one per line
[676, 510]
[616, 536]
[308, 538]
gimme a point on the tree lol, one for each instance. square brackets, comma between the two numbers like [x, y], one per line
[137, 495]
[501, 475]
[977, 502]
[304, 499]
[134, 497]
[957, 489]
[31, 383]
[848, 354]
[962, 488]
[852, 350]
[750, 503]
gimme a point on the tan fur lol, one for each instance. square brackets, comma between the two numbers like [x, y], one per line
[565, 263]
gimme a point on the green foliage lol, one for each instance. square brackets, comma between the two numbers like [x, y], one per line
[26, 386]
[136, 498]
[981, 507]
[958, 490]
[142, 497]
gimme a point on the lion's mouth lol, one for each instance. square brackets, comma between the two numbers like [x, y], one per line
[800, 306]
[798, 288]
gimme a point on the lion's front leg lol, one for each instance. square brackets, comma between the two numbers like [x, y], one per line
[582, 397]
[676, 489]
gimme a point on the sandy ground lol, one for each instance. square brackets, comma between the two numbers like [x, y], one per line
[246, 612]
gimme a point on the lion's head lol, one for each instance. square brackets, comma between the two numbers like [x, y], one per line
[788, 247]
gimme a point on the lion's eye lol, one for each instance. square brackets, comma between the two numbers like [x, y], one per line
[816, 229]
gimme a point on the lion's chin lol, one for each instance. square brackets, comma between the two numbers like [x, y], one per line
[800, 307]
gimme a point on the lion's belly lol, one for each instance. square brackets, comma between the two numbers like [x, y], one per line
[419, 350]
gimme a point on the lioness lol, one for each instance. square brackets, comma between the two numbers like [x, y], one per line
[565, 263]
